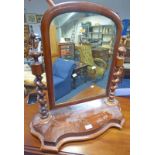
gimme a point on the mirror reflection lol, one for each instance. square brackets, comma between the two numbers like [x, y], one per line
[82, 49]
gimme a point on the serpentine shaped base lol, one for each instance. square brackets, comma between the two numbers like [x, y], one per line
[76, 123]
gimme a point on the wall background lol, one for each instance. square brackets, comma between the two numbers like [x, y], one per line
[122, 7]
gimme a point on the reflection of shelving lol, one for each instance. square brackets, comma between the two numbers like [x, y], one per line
[66, 50]
[98, 33]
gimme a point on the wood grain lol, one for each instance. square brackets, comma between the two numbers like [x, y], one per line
[113, 142]
[63, 124]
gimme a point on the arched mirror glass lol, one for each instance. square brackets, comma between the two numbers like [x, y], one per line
[83, 64]
[82, 47]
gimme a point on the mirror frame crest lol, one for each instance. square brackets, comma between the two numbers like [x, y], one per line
[67, 7]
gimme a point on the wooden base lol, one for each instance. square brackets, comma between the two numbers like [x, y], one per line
[76, 123]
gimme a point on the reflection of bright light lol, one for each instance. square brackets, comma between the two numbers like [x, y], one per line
[76, 149]
[94, 104]
[92, 86]
[93, 67]
[91, 104]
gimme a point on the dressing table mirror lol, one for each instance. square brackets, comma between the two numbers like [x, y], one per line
[83, 64]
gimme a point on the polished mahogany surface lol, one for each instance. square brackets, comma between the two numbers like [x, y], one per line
[57, 125]
[113, 142]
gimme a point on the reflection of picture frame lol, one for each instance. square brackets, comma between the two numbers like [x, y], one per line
[31, 18]
[39, 18]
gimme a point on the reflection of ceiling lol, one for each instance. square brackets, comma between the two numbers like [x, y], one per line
[63, 18]
[66, 19]
[74, 18]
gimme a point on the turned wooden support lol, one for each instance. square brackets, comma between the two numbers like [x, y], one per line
[117, 72]
[37, 70]
[50, 3]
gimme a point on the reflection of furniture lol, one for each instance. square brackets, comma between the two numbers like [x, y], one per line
[102, 53]
[87, 58]
[108, 44]
[66, 50]
[79, 71]
[32, 144]
[62, 72]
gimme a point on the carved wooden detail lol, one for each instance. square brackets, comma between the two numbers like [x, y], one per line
[37, 70]
[118, 69]
[50, 3]
[76, 123]
[81, 121]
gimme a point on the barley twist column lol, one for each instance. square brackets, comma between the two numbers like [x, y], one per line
[37, 70]
[117, 73]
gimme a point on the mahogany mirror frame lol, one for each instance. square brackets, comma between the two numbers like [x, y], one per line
[67, 7]
[54, 127]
